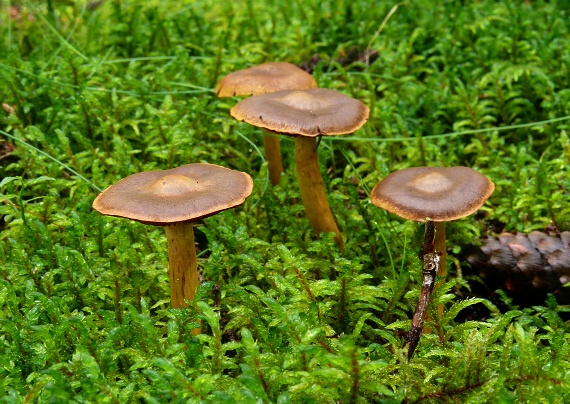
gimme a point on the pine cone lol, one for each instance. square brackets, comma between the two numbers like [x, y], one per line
[527, 265]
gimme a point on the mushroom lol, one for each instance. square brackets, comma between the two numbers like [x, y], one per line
[441, 194]
[265, 78]
[262, 79]
[306, 115]
[438, 194]
[174, 199]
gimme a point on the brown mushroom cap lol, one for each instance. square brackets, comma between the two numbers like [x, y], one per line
[440, 193]
[181, 194]
[265, 78]
[311, 113]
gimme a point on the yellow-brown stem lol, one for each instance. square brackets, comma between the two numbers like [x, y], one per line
[312, 188]
[183, 268]
[272, 147]
[440, 247]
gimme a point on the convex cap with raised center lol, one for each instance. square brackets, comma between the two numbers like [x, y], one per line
[265, 78]
[311, 113]
[180, 194]
[440, 193]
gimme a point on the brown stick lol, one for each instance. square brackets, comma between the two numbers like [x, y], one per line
[430, 266]
[272, 147]
[312, 188]
[183, 269]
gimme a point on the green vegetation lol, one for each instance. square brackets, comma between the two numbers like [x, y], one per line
[94, 92]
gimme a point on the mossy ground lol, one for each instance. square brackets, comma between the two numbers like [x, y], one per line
[95, 91]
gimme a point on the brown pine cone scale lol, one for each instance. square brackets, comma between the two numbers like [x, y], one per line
[526, 264]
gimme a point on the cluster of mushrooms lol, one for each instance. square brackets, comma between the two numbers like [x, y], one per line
[284, 100]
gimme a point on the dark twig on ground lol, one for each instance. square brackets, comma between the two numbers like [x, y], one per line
[346, 58]
[6, 148]
[430, 264]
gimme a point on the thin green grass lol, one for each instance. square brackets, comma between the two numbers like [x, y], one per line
[91, 184]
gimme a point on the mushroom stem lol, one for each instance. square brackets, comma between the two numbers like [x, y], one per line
[183, 268]
[312, 188]
[440, 248]
[272, 147]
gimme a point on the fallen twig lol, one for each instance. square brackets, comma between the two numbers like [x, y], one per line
[429, 268]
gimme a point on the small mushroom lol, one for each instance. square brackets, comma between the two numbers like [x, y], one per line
[174, 199]
[262, 79]
[441, 194]
[265, 78]
[306, 115]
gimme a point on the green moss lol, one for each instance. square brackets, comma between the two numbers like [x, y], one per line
[101, 91]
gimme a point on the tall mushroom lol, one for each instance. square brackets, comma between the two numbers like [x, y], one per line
[431, 194]
[306, 115]
[441, 194]
[174, 199]
[262, 79]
